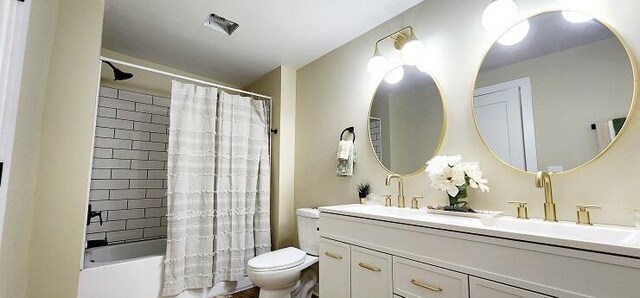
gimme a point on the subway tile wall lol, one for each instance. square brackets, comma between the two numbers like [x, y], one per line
[129, 174]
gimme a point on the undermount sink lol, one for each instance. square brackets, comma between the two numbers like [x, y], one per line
[567, 230]
[606, 238]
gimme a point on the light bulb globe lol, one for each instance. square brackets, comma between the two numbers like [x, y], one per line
[575, 17]
[394, 76]
[499, 15]
[515, 35]
[377, 66]
[412, 52]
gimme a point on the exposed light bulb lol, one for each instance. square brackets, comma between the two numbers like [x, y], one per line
[423, 65]
[499, 15]
[377, 65]
[394, 76]
[575, 17]
[413, 51]
[515, 35]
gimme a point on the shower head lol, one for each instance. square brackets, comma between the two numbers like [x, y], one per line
[118, 75]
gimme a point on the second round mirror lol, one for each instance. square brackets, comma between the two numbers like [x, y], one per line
[555, 96]
[406, 120]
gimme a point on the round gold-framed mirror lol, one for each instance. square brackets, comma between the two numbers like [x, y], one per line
[407, 120]
[554, 92]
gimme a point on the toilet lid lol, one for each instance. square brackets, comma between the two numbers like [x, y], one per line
[278, 259]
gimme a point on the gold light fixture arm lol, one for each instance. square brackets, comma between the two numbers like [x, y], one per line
[399, 37]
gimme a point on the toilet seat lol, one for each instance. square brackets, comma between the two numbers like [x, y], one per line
[277, 260]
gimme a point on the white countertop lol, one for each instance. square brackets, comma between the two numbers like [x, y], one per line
[609, 239]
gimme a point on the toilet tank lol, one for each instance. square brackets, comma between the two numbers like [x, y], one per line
[308, 230]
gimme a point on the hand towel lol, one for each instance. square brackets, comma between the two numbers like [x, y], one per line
[345, 166]
[345, 150]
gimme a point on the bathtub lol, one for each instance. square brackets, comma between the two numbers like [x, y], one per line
[135, 270]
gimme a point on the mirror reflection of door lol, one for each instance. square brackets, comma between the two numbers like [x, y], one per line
[504, 117]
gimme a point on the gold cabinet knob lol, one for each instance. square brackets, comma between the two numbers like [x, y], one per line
[387, 200]
[584, 218]
[414, 202]
[523, 213]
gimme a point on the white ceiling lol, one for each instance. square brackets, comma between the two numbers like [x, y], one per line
[271, 33]
[550, 33]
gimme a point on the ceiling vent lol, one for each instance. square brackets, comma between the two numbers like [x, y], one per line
[220, 24]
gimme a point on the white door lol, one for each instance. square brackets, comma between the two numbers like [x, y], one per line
[14, 17]
[505, 119]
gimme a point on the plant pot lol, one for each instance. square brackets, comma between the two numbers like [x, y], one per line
[461, 198]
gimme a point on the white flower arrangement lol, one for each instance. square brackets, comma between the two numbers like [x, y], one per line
[449, 174]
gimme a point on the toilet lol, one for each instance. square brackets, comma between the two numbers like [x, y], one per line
[277, 273]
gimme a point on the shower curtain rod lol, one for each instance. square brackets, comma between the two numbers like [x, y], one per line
[177, 76]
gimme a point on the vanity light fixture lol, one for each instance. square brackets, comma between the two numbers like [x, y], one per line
[411, 49]
[575, 17]
[499, 15]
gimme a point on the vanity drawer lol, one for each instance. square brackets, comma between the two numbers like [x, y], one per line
[412, 280]
[485, 288]
[335, 271]
[370, 274]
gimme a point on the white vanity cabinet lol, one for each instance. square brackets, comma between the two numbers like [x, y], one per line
[335, 268]
[389, 259]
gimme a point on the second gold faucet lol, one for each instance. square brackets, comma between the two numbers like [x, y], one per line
[387, 181]
[543, 180]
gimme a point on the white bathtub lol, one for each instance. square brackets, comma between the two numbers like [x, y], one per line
[135, 270]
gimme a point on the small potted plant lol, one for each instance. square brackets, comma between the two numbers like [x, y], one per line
[364, 189]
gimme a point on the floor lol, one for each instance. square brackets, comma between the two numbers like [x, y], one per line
[249, 293]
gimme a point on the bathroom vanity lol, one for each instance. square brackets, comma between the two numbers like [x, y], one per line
[375, 251]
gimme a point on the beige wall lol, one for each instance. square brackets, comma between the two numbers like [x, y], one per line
[65, 151]
[571, 90]
[280, 84]
[144, 81]
[335, 90]
[14, 252]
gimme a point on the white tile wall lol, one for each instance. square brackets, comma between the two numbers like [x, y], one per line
[376, 136]
[128, 180]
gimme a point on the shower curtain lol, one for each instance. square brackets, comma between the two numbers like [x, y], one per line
[218, 186]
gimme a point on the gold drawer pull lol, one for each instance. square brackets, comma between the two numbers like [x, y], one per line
[426, 286]
[332, 255]
[369, 267]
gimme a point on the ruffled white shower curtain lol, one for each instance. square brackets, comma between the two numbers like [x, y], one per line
[218, 187]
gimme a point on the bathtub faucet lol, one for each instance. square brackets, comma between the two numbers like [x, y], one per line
[91, 214]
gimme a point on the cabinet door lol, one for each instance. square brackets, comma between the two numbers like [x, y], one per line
[482, 288]
[370, 274]
[334, 269]
[412, 279]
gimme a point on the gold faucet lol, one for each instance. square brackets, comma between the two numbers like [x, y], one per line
[387, 181]
[543, 180]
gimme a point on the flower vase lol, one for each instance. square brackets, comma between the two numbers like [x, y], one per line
[460, 198]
